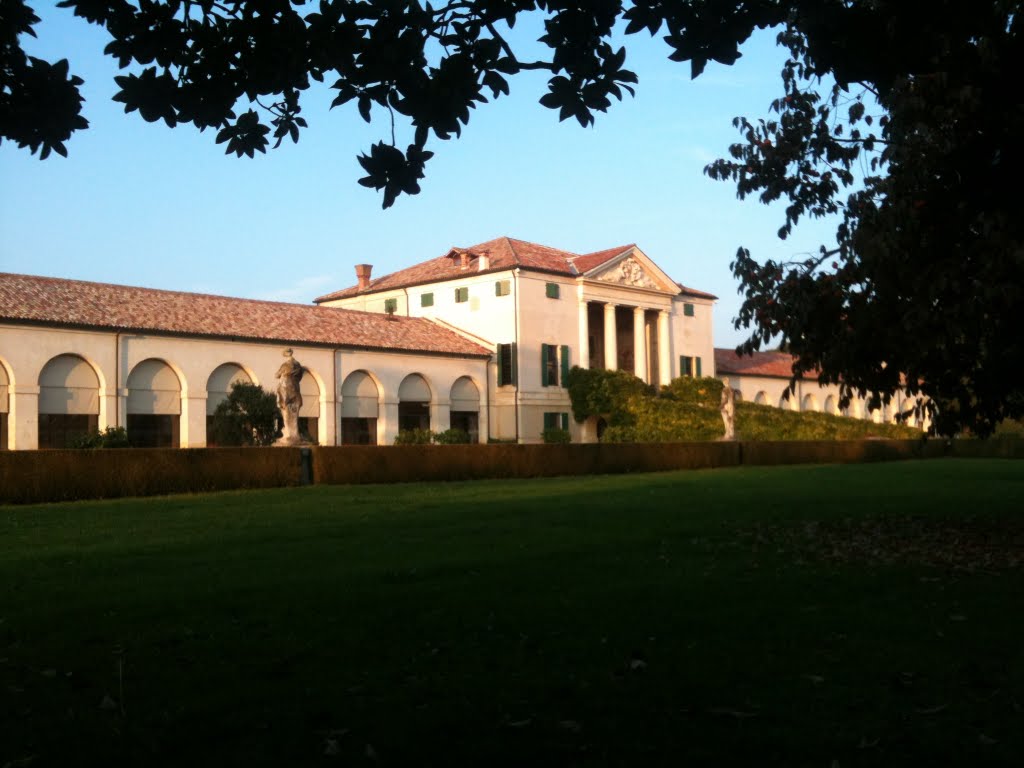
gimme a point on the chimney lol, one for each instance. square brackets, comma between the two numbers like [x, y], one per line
[483, 262]
[463, 260]
[363, 274]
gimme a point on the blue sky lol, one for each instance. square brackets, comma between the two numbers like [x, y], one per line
[140, 204]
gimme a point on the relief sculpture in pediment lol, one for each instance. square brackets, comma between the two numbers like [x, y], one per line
[628, 272]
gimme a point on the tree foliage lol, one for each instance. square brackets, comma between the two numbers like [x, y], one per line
[915, 147]
[248, 416]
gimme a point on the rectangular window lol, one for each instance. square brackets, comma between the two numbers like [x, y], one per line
[391, 306]
[426, 299]
[548, 365]
[685, 365]
[502, 288]
[461, 295]
[506, 364]
[555, 420]
[688, 310]
[551, 290]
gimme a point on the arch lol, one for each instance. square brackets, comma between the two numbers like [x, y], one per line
[761, 398]
[309, 412]
[360, 407]
[876, 415]
[414, 398]
[465, 407]
[830, 405]
[69, 400]
[218, 385]
[153, 413]
[810, 403]
[855, 409]
[786, 402]
[414, 389]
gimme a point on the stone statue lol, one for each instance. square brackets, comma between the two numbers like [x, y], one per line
[728, 408]
[289, 399]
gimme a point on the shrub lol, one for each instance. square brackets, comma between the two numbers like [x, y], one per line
[111, 437]
[556, 436]
[452, 437]
[248, 416]
[705, 392]
[596, 392]
[414, 437]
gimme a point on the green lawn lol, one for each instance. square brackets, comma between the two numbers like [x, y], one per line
[799, 616]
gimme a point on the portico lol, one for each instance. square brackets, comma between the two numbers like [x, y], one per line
[626, 337]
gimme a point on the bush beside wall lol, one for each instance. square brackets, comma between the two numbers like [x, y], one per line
[63, 475]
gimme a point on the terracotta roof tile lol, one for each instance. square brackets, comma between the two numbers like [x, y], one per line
[590, 261]
[503, 253]
[774, 364]
[694, 292]
[118, 307]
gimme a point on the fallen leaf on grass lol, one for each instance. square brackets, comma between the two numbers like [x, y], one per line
[737, 713]
[931, 710]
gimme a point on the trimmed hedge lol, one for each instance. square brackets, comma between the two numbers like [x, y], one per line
[64, 475]
[44, 476]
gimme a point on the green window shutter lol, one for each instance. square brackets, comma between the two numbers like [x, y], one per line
[502, 288]
[698, 367]
[391, 305]
[461, 295]
[549, 420]
[515, 363]
[551, 290]
[426, 300]
[543, 365]
[565, 365]
[497, 288]
[688, 310]
[565, 421]
[501, 365]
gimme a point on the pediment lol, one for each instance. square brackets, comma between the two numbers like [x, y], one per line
[630, 271]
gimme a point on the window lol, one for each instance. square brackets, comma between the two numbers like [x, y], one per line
[551, 290]
[426, 299]
[461, 295]
[553, 361]
[688, 310]
[690, 366]
[556, 420]
[506, 364]
[502, 288]
[391, 306]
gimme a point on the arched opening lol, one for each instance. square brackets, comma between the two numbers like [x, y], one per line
[309, 411]
[465, 408]
[877, 416]
[154, 406]
[4, 406]
[810, 403]
[761, 398]
[359, 409]
[786, 402]
[413, 403]
[218, 387]
[830, 405]
[69, 401]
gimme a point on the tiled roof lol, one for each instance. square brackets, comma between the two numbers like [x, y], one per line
[694, 292]
[76, 303]
[503, 253]
[591, 261]
[774, 364]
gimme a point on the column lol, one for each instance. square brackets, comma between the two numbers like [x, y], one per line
[664, 352]
[639, 344]
[584, 355]
[441, 415]
[611, 353]
[387, 422]
[23, 416]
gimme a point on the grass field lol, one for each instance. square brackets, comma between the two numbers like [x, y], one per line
[856, 615]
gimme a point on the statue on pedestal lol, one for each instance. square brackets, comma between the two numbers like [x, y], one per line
[728, 408]
[289, 399]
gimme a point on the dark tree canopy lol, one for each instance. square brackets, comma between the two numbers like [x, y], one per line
[916, 149]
